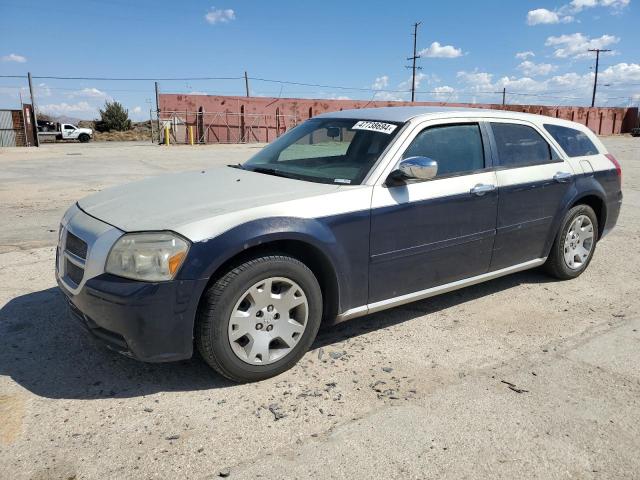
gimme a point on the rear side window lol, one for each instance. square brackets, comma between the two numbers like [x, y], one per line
[456, 148]
[520, 145]
[574, 142]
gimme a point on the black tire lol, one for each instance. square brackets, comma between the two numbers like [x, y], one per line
[218, 301]
[84, 138]
[556, 264]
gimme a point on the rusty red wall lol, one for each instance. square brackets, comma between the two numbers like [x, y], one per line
[271, 116]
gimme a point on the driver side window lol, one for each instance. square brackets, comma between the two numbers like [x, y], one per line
[456, 148]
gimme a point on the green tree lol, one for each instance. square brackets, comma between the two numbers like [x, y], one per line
[114, 117]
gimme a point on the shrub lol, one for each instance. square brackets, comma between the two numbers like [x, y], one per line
[113, 117]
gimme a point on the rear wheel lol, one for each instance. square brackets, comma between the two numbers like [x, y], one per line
[574, 244]
[260, 318]
[84, 138]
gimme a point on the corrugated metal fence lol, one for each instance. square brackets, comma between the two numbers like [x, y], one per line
[12, 128]
[7, 132]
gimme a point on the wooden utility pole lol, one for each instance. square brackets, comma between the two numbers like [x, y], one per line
[158, 111]
[413, 58]
[504, 95]
[33, 112]
[246, 83]
[595, 80]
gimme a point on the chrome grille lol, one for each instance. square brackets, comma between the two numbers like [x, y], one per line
[83, 246]
[73, 272]
[72, 255]
[76, 246]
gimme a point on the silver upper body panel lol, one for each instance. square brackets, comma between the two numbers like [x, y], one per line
[203, 204]
[392, 114]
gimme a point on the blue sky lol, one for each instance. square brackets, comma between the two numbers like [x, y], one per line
[470, 49]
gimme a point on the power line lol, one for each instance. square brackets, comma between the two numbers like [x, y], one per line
[548, 95]
[337, 87]
[123, 79]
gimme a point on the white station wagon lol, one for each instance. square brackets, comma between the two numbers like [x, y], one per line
[349, 213]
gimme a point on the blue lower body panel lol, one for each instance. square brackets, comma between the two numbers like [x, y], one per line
[152, 322]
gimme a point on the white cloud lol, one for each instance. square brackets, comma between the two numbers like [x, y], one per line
[220, 15]
[476, 80]
[435, 50]
[579, 5]
[532, 69]
[12, 57]
[406, 85]
[89, 93]
[576, 45]
[389, 96]
[380, 83]
[564, 14]
[569, 88]
[66, 108]
[620, 73]
[136, 110]
[42, 90]
[525, 55]
[542, 16]
[445, 93]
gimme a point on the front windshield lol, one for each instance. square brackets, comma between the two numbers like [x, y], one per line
[326, 150]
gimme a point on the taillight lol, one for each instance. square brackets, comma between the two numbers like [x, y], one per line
[616, 164]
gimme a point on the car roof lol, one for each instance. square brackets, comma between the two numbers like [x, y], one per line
[404, 114]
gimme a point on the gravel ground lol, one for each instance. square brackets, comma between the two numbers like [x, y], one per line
[520, 377]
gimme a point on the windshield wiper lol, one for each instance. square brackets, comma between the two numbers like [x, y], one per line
[237, 165]
[273, 171]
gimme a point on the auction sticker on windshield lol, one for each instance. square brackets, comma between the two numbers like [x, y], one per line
[375, 126]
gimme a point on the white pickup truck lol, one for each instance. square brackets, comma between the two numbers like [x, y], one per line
[63, 131]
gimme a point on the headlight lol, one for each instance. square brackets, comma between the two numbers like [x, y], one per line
[147, 256]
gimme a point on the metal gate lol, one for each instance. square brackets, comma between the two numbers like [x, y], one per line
[222, 127]
[7, 130]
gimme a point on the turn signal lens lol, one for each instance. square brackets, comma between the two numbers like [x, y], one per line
[175, 261]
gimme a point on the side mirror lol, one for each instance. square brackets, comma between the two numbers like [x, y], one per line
[413, 169]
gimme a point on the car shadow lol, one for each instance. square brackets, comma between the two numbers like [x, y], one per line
[47, 353]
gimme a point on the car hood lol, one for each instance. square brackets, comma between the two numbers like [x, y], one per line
[177, 201]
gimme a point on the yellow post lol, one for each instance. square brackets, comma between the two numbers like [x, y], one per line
[191, 134]
[166, 135]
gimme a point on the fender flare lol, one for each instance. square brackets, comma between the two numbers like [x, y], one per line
[584, 186]
[206, 257]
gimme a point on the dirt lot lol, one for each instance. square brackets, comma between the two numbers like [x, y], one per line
[415, 392]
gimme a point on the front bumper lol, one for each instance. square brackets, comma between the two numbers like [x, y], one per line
[152, 322]
[149, 321]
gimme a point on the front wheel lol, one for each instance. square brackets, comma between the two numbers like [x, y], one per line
[574, 244]
[260, 318]
[84, 138]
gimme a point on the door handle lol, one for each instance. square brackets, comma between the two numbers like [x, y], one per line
[482, 188]
[562, 177]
